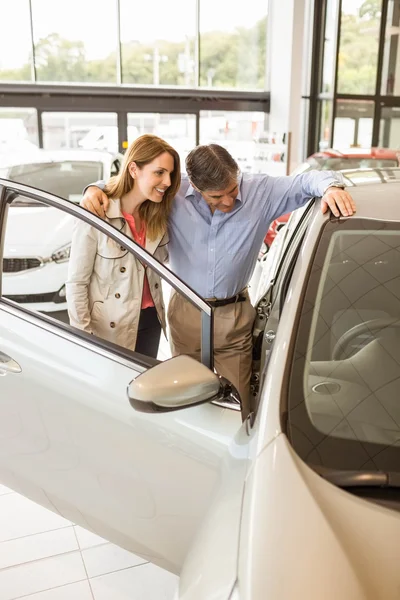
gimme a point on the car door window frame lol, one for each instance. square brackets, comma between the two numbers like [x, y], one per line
[9, 188]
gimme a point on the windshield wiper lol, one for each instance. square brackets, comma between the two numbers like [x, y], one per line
[358, 479]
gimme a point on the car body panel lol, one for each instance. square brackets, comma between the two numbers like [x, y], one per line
[318, 542]
[210, 568]
[94, 457]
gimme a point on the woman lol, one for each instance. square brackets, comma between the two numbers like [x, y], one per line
[109, 292]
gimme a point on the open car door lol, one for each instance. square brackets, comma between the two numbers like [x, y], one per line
[71, 438]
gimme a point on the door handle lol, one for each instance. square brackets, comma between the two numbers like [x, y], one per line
[8, 364]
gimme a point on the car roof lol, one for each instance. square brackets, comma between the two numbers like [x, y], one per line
[43, 156]
[378, 153]
[377, 200]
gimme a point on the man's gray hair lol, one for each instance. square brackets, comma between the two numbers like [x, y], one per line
[211, 167]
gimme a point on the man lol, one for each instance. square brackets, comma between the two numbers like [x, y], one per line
[216, 229]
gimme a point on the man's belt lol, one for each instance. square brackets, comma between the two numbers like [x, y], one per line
[215, 302]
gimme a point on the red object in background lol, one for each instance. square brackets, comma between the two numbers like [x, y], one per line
[274, 228]
[337, 160]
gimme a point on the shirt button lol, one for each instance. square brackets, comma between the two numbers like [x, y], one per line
[156, 285]
[112, 324]
[117, 295]
[122, 269]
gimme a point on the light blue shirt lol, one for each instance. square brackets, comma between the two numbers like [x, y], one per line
[216, 253]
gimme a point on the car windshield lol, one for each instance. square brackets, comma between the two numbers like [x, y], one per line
[344, 390]
[63, 178]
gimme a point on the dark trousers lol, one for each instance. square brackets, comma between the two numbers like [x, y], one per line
[149, 333]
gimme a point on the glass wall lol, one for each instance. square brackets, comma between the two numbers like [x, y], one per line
[18, 130]
[353, 124]
[233, 44]
[358, 50]
[179, 130]
[15, 50]
[391, 59]
[366, 99]
[76, 42]
[328, 71]
[155, 48]
[141, 44]
[245, 136]
[389, 130]
[326, 107]
[81, 130]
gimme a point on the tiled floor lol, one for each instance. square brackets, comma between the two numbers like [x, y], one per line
[45, 557]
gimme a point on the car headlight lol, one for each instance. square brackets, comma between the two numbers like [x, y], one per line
[62, 254]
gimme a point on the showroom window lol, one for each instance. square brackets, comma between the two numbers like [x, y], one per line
[353, 124]
[358, 50]
[328, 73]
[18, 130]
[86, 131]
[391, 59]
[155, 48]
[326, 107]
[355, 93]
[15, 51]
[179, 130]
[242, 134]
[77, 42]
[389, 133]
[233, 44]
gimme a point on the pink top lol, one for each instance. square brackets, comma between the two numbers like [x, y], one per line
[140, 238]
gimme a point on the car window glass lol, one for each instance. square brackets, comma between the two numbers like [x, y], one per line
[344, 409]
[63, 178]
[57, 266]
[295, 232]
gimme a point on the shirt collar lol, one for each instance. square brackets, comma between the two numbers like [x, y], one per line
[192, 192]
[114, 210]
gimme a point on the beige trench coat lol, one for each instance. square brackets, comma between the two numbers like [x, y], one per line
[105, 282]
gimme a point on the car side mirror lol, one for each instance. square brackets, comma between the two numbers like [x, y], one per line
[177, 383]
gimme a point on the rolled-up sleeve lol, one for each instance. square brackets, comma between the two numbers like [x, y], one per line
[80, 269]
[100, 184]
[285, 194]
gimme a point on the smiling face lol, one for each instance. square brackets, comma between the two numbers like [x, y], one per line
[222, 200]
[153, 180]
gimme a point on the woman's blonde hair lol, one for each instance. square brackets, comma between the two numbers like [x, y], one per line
[143, 151]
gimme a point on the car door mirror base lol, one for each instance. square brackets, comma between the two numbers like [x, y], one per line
[178, 383]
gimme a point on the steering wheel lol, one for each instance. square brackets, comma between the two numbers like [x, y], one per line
[367, 327]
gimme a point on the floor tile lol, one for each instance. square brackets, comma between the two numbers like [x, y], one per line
[41, 575]
[145, 582]
[87, 539]
[74, 591]
[5, 490]
[20, 516]
[108, 558]
[36, 547]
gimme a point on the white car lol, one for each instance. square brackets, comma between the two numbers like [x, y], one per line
[299, 501]
[37, 244]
